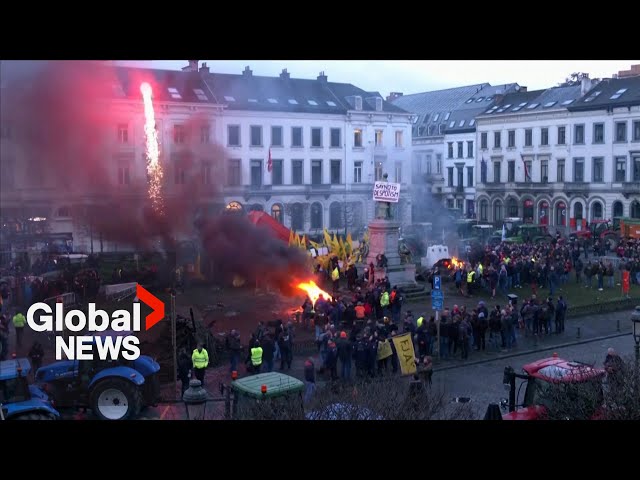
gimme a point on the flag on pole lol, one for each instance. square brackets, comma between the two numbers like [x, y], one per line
[504, 232]
[526, 170]
[269, 162]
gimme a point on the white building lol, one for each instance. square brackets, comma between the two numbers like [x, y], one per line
[327, 141]
[561, 156]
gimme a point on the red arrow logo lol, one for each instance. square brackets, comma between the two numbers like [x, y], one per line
[154, 302]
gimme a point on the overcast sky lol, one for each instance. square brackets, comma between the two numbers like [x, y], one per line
[412, 76]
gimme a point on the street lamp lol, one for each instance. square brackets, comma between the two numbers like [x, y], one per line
[195, 400]
[635, 318]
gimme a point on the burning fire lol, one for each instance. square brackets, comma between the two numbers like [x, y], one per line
[313, 291]
[456, 262]
[154, 169]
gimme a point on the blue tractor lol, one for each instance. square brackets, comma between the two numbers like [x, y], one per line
[112, 389]
[18, 399]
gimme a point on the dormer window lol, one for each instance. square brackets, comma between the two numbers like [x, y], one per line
[358, 103]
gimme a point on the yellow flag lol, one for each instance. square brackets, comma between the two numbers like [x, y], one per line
[327, 239]
[349, 244]
[335, 246]
[384, 350]
[292, 238]
[406, 354]
[314, 245]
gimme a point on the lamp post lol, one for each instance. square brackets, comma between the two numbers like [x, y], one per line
[195, 400]
[635, 318]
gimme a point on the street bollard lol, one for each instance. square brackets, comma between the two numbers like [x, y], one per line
[578, 333]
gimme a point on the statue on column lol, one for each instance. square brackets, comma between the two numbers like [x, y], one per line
[383, 209]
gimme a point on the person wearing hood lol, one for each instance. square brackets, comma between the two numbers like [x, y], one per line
[345, 353]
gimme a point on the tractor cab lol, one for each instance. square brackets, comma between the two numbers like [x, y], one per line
[264, 394]
[537, 378]
[535, 234]
[18, 399]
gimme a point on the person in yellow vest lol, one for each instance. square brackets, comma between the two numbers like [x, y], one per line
[18, 323]
[471, 276]
[384, 303]
[335, 277]
[255, 357]
[200, 359]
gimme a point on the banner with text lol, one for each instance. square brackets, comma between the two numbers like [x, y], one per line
[406, 354]
[386, 192]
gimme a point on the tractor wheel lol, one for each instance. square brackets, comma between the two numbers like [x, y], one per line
[34, 416]
[115, 399]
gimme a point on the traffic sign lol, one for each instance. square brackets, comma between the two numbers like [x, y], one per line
[437, 300]
[436, 282]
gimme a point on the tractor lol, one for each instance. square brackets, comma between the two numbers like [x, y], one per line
[603, 230]
[537, 378]
[534, 234]
[18, 399]
[112, 389]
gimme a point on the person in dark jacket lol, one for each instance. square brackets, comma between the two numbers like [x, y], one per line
[332, 360]
[360, 356]
[285, 343]
[268, 351]
[184, 368]
[36, 354]
[235, 350]
[309, 379]
[345, 353]
[614, 365]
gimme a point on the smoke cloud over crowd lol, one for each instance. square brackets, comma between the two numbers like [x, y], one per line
[65, 125]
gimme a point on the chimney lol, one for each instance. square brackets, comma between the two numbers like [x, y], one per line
[322, 77]
[585, 84]
[285, 75]
[498, 96]
[247, 72]
[204, 68]
[523, 89]
[192, 67]
[393, 95]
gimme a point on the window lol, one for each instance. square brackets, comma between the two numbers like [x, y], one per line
[297, 217]
[179, 174]
[358, 103]
[276, 137]
[450, 176]
[450, 150]
[496, 139]
[124, 177]
[335, 138]
[123, 133]
[621, 131]
[484, 210]
[316, 172]
[233, 173]
[621, 169]
[378, 138]
[562, 135]
[296, 172]
[316, 216]
[512, 207]
[293, 101]
[357, 172]
[598, 169]
[544, 171]
[483, 172]
[497, 211]
[560, 173]
[598, 133]
[449, 202]
[357, 138]
[336, 172]
[207, 169]
[296, 136]
[428, 161]
[312, 102]
[447, 115]
[316, 137]
[528, 137]
[204, 134]
[277, 173]
[596, 211]
[179, 134]
[470, 176]
[398, 172]
[229, 98]
[618, 209]
[174, 93]
[435, 117]
[578, 169]
[459, 204]
[483, 140]
[256, 173]
[636, 169]
[378, 171]
[233, 135]
[470, 149]
[272, 100]
[544, 136]
[636, 131]
[496, 172]
[399, 139]
[460, 149]
[578, 134]
[276, 212]
[256, 136]
[511, 171]
[511, 138]
[528, 172]
[336, 215]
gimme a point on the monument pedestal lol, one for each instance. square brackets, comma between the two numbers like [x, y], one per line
[383, 238]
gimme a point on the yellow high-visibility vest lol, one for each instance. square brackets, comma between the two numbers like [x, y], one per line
[256, 356]
[470, 276]
[200, 359]
[335, 275]
[19, 321]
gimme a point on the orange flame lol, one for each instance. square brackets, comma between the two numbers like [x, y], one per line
[456, 262]
[152, 150]
[313, 291]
